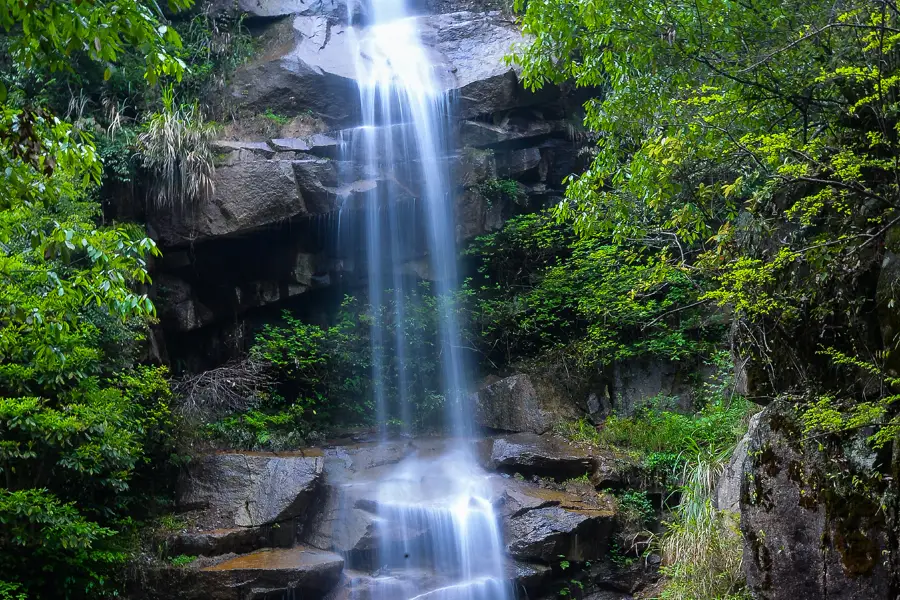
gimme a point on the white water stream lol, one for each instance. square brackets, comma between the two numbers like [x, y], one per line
[433, 513]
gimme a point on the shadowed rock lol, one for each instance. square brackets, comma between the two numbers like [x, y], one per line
[511, 404]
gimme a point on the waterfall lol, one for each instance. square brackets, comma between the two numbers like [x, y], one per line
[434, 513]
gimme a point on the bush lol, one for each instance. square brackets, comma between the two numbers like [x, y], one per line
[317, 377]
[540, 290]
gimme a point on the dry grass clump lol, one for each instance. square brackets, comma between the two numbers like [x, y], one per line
[702, 549]
[175, 147]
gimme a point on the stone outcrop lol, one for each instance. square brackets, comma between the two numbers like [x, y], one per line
[218, 541]
[286, 192]
[543, 455]
[250, 489]
[544, 526]
[307, 66]
[511, 404]
[805, 536]
[728, 489]
[262, 575]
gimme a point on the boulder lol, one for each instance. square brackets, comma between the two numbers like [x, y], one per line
[251, 489]
[266, 574]
[542, 525]
[511, 404]
[528, 577]
[804, 536]
[543, 455]
[507, 134]
[249, 194]
[546, 534]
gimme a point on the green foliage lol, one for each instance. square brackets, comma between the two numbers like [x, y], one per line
[757, 143]
[182, 560]
[496, 190]
[702, 546]
[49, 547]
[543, 290]
[663, 433]
[79, 420]
[276, 118]
[255, 429]
[635, 507]
[322, 376]
[175, 147]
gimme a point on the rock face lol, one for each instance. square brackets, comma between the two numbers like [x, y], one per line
[286, 192]
[511, 404]
[543, 455]
[635, 381]
[217, 541]
[728, 490]
[801, 540]
[251, 490]
[308, 66]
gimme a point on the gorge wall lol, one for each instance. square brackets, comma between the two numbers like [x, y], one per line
[273, 234]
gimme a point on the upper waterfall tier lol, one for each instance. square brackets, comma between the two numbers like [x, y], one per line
[306, 67]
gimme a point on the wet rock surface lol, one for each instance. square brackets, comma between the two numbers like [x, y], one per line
[542, 455]
[251, 489]
[543, 525]
[266, 574]
[218, 541]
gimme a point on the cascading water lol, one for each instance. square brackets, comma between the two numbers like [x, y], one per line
[434, 513]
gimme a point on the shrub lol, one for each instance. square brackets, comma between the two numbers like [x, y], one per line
[542, 291]
[635, 507]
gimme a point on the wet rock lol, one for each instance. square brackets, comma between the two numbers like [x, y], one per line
[334, 10]
[476, 214]
[542, 455]
[266, 574]
[541, 524]
[476, 166]
[519, 164]
[798, 541]
[178, 306]
[217, 542]
[511, 404]
[305, 66]
[481, 134]
[528, 577]
[258, 148]
[319, 145]
[546, 534]
[250, 490]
